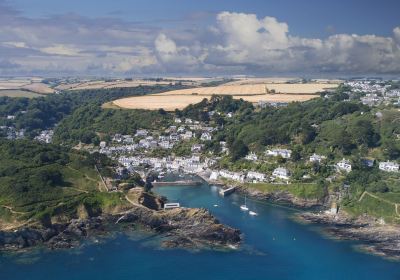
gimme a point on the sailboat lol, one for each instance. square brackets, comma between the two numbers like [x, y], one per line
[244, 206]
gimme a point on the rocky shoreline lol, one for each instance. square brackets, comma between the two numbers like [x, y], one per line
[282, 197]
[375, 238]
[191, 228]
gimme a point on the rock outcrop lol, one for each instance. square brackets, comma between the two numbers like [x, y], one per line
[181, 227]
[374, 237]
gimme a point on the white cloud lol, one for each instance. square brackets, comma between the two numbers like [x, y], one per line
[396, 33]
[59, 49]
[235, 43]
[173, 57]
[21, 45]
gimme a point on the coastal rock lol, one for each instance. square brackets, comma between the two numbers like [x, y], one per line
[383, 240]
[281, 197]
[185, 227]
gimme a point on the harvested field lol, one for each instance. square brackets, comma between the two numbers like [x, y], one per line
[179, 99]
[39, 88]
[19, 93]
[155, 102]
[221, 90]
[33, 85]
[109, 84]
[308, 88]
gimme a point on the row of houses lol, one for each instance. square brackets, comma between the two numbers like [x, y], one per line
[374, 93]
[251, 176]
[343, 165]
[191, 164]
[387, 166]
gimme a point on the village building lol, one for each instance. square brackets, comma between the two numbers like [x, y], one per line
[141, 133]
[279, 152]
[166, 144]
[103, 144]
[251, 156]
[196, 148]
[344, 165]
[187, 135]
[181, 129]
[389, 166]
[235, 176]
[281, 173]
[205, 136]
[174, 137]
[256, 176]
[367, 162]
[317, 158]
[46, 136]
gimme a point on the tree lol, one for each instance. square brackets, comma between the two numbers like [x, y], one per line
[238, 149]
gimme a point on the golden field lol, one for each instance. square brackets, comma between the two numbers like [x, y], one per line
[115, 84]
[32, 85]
[179, 99]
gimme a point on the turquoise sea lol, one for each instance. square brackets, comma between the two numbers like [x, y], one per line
[275, 247]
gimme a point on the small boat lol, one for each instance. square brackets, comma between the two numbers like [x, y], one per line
[215, 205]
[244, 206]
[252, 213]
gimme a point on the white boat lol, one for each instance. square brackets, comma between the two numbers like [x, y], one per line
[244, 206]
[253, 213]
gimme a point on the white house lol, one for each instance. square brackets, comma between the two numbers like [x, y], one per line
[141, 133]
[205, 136]
[174, 137]
[389, 166]
[279, 152]
[232, 175]
[197, 148]
[251, 156]
[224, 148]
[317, 158]
[181, 129]
[344, 165]
[188, 121]
[166, 144]
[187, 135]
[128, 140]
[281, 173]
[103, 144]
[214, 175]
[177, 120]
[256, 176]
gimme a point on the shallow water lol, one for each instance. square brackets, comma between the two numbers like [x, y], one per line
[275, 247]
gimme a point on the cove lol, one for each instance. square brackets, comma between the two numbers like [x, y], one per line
[275, 247]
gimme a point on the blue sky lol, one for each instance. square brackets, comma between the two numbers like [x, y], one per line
[306, 18]
[124, 37]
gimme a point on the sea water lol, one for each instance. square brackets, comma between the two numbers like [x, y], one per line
[275, 247]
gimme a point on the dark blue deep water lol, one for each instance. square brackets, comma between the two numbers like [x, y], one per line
[276, 247]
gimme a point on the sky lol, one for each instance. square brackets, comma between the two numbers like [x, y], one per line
[204, 38]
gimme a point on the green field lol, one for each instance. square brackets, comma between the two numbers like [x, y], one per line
[301, 190]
